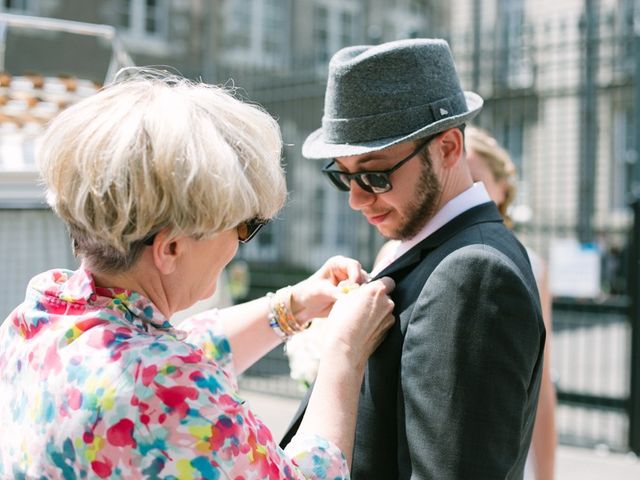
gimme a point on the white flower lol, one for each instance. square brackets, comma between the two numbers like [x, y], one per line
[304, 349]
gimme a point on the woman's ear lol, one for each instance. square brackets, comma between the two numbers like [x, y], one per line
[451, 147]
[166, 251]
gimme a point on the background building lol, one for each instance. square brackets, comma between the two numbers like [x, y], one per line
[276, 52]
[558, 79]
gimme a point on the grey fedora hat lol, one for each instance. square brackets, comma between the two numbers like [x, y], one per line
[380, 96]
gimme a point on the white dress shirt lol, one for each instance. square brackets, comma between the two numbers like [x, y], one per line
[471, 197]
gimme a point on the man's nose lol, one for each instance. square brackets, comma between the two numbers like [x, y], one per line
[360, 198]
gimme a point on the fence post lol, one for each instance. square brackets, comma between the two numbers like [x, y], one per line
[589, 121]
[635, 181]
[634, 293]
[634, 256]
[477, 49]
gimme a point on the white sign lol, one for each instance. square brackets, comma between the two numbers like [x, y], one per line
[574, 269]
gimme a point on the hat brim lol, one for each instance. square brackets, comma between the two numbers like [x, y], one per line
[315, 147]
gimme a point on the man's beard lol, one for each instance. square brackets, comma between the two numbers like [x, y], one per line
[423, 208]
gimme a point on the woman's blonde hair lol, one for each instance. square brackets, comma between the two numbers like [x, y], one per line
[154, 151]
[498, 161]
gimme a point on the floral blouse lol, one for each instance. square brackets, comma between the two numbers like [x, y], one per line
[96, 383]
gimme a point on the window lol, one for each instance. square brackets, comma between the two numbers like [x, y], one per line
[145, 18]
[336, 24]
[18, 6]
[321, 33]
[409, 19]
[418, 7]
[239, 24]
[256, 31]
[153, 17]
[275, 26]
[628, 15]
[515, 69]
[347, 29]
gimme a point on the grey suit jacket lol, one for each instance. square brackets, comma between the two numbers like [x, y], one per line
[451, 393]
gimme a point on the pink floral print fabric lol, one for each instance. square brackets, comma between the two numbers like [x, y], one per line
[96, 383]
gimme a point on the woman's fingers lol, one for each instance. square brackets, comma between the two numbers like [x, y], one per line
[388, 284]
[339, 269]
[362, 317]
[386, 324]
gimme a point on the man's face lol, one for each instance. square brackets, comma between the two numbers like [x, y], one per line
[410, 204]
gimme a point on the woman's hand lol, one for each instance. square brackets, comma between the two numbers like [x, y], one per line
[358, 322]
[356, 326]
[315, 296]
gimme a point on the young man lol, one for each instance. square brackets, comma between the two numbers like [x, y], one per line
[452, 391]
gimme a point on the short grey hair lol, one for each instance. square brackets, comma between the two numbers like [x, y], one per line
[154, 151]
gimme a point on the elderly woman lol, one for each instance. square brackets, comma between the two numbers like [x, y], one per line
[158, 180]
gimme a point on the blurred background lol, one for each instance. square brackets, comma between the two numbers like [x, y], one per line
[561, 83]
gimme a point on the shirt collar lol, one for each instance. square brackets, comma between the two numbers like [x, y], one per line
[80, 287]
[471, 197]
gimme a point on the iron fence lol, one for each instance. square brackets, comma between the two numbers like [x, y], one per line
[592, 371]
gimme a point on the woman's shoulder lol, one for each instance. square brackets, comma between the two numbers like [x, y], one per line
[538, 265]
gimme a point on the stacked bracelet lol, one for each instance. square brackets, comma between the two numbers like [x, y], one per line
[281, 319]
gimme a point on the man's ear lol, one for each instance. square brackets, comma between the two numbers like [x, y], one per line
[451, 147]
[166, 251]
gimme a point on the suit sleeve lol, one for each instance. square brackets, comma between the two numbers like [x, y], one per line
[470, 367]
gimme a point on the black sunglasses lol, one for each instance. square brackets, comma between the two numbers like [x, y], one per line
[372, 182]
[246, 231]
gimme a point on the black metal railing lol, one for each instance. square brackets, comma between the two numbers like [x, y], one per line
[591, 370]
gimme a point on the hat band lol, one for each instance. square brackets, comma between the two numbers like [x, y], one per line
[391, 124]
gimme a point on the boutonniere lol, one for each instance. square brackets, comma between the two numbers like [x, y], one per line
[304, 350]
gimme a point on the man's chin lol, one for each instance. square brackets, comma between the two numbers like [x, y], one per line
[402, 233]
[388, 233]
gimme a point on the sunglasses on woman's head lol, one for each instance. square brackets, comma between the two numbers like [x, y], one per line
[246, 231]
[371, 181]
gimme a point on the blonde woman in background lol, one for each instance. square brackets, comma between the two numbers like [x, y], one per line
[491, 164]
[158, 180]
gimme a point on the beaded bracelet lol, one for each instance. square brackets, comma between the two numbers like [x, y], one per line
[273, 320]
[281, 319]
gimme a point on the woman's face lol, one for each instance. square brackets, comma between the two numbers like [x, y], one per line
[481, 172]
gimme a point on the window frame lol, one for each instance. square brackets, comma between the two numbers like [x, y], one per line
[266, 31]
[137, 13]
[334, 28]
[29, 6]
